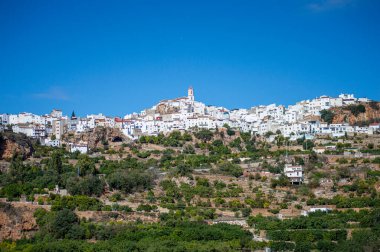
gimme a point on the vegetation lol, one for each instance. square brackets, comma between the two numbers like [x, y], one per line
[170, 235]
[185, 181]
[356, 109]
[327, 116]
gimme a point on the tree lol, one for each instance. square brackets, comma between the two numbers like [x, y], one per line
[86, 165]
[356, 109]
[89, 185]
[184, 169]
[217, 143]
[230, 132]
[17, 169]
[231, 169]
[204, 135]
[56, 162]
[281, 181]
[150, 197]
[143, 139]
[327, 116]
[236, 143]
[130, 181]
[308, 145]
[280, 139]
[187, 137]
[268, 134]
[246, 136]
[76, 232]
[188, 149]
[63, 221]
[374, 105]
[246, 212]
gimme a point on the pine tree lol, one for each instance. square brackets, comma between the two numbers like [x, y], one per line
[56, 162]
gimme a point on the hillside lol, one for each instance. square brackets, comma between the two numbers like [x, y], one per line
[352, 114]
[17, 221]
[180, 191]
[11, 143]
[97, 137]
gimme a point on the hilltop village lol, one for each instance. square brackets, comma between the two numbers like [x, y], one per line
[183, 176]
[304, 119]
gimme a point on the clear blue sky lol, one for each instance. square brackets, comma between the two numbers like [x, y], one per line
[117, 57]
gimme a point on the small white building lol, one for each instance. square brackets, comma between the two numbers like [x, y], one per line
[316, 209]
[375, 126]
[51, 143]
[4, 119]
[294, 173]
[319, 149]
[82, 148]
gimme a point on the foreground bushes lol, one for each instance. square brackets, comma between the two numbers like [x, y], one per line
[345, 202]
[307, 235]
[62, 231]
[81, 203]
[320, 220]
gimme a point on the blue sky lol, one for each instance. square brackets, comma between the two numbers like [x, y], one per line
[117, 57]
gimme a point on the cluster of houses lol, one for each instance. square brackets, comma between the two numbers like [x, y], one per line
[185, 113]
[294, 121]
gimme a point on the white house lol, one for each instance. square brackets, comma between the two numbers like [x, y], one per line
[294, 173]
[82, 148]
[52, 143]
[31, 130]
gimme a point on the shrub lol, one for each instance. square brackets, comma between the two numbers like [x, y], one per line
[231, 169]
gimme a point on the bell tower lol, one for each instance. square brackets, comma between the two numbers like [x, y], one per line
[190, 93]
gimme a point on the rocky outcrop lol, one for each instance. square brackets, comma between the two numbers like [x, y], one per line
[344, 115]
[98, 137]
[17, 222]
[14, 143]
[164, 109]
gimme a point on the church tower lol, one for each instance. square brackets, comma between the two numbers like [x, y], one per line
[190, 93]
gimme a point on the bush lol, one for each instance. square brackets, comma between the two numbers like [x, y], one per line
[356, 109]
[204, 135]
[231, 169]
[63, 221]
[146, 208]
[327, 116]
[90, 185]
[130, 181]
[143, 154]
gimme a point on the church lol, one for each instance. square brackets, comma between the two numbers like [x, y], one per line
[183, 105]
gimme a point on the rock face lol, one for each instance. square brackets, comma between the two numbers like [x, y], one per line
[98, 137]
[343, 115]
[16, 222]
[164, 109]
[11, 143]
[101, 135]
